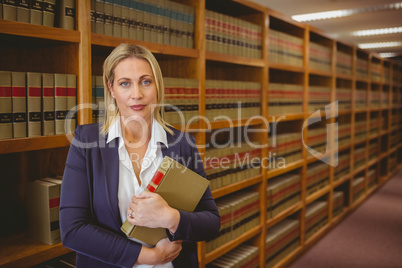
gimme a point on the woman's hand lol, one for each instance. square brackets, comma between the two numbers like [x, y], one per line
[151, 210]
[164, 252]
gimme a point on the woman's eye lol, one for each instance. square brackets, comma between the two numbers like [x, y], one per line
[124, 84]
[146, 82]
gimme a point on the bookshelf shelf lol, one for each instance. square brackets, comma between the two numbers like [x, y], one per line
[110, 41]
[320, 73]
[39, 32]
[317, 235]
[232, 244]
[344, 76]
[212, 56]
[284, 214]
[21, 251]
[236, 186]
[286, 67]
[289, 167]
[285, 117]
[236, 123]
[317, 194]
[34, 143]
[341, 181]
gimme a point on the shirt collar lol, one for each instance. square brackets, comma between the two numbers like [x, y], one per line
[158, 133]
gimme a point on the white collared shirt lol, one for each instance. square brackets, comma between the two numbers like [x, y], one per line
[128, 183]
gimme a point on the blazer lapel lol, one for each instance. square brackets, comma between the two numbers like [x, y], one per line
[110, 160]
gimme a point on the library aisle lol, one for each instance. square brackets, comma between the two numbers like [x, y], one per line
[371, 236]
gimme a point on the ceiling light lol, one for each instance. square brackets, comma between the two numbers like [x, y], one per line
[388, 55]
[345, 12]
[379, 45]
[378, 31]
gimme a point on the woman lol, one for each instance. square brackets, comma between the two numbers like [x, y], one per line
[109, 166]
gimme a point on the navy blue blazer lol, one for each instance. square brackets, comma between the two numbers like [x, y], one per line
[89, 213]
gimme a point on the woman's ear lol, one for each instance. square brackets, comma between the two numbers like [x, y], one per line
[109, 85]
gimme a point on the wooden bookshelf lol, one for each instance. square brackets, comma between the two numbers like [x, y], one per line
[82, 52]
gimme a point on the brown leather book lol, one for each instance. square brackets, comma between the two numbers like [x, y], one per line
[67, 14]
[10, 10]
[23, 11]
[181, 188]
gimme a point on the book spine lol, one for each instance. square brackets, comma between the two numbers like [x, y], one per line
[67, 14]
[19, 104]
[34, 103]
[48, 99]
[36, 12]
[158, 176]
[100, 16]
[125, 18]
[1, 9]
[23, 11]
[60, 107]
[108, 30]
[93, 16]
[10, 10]
[71, 102]
[94, 107]
[6, 123]
[117, 18]
[49, 11]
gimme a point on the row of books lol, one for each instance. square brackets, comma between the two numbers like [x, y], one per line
[343, 167]
[338, 200]
[318, 97]
[281, 239]
[374, 125]
[181, 99]
[320, 57]
[361, 98]
[163, 22]
[344, 98]
[344, 63]
[393, 162]
[372, 177]
[358, 185]
[359, 157]
[52, 13]
[362, 68]
[375, 69]
[286, 146]
[225, 166]
[43, 197]
[374, 99]
[317, 139]
[242, 256]
[344, 130]
[316, 217]
[360, 130]
[373, 149]
[284, 98]
[394, 138]
[317, 176]
[240, 212]
[282, 192]
[232, 99]
[228, 35]
[285, 48]
[36, 104]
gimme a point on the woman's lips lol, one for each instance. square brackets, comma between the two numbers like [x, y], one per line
[137, 107]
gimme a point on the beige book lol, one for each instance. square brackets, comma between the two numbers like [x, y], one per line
[179, 186]
[132, 21]
[23, 11]
[18, 81]
[34, 104]
[125, 18]
[6, 112]
[36, 12]
[60, 102]
[71, 103]
[116, 18]
[1, 10]
[100, 17]
[43, 202]
[49, 11]
[67, 14]
[48, 112]
[10, 10]
[100, 98]
[108, 8]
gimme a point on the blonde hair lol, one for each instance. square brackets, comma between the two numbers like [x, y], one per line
[121, 52]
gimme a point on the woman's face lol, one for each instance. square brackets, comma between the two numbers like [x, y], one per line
[134, 89]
